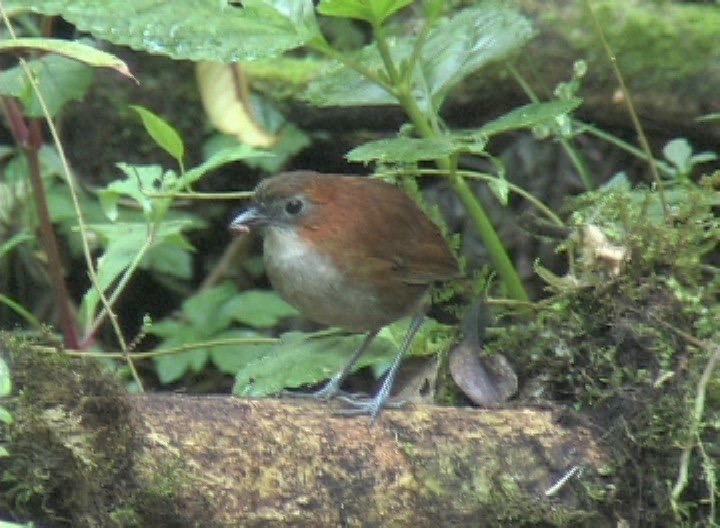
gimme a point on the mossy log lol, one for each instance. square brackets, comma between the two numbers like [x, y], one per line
[95, 456]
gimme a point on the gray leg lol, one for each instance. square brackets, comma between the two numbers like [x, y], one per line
[375, 406]
[332, 388]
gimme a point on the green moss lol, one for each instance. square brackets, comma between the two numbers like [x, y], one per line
[73, 450]
[610, 342]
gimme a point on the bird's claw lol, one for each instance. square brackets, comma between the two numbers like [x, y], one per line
[372, 407]
[324, 394]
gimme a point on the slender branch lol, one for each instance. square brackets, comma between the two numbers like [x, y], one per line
[472, 175]
[630, 107]
[624, 145]
[157, 353]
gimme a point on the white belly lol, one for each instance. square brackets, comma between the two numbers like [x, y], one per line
[309, 281]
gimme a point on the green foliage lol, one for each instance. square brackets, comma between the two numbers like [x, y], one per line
[679, 153]
[207, 318]
[529, 116]
[620, 320]
[67, 48]
[373, 11]
[409, 149]
[455, 47]
[60, 79]
[194, 30]
[162, 133]
[301, 359]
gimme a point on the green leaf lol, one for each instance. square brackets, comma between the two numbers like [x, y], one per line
[6, 416]
[528, 116]
[193, 29]
[205, 310]
[171, 258]
[679, 152]
[5, 380]
[467, 41]
[172, 367]
[403, 149]
[204, 318]
[138, 182]
[222, 157]
[69, 49]
[230, 359]
[162, 133]
[456, 47]
[373, 11]
[301, 360]
[60, 80]
[258, 308]
[123, 241]
[338, 85]
[14, 241]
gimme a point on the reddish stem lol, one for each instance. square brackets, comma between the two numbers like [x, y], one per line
[28, 135]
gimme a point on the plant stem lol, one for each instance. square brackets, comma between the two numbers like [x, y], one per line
[630, 107]
[499, 257]
[570, 151]
[29, 137]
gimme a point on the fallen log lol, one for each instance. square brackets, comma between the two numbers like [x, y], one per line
[95, 456]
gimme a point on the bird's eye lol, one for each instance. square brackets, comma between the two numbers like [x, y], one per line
[293, 207]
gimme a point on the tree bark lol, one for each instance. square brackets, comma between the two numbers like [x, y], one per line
[84, 453]
[285, 463]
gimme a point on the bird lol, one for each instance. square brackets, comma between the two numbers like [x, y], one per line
[352, 252]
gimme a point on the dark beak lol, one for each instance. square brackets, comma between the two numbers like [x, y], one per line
[245, 221]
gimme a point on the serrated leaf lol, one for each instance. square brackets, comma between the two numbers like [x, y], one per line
[172, 367]
[456, 47]
[338, 85]
[205, 310]
[203, 318]
[300, 360]
[162, 132]
[139, 181]
[403, 149]
[258, 308]
[373, 11]
[467, 41]
[529, 115]
[59, 79]
[193, 29]
[70, 49]
[172, 258]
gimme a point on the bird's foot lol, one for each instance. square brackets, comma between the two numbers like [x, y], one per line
[328, 392]
[372, 407]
